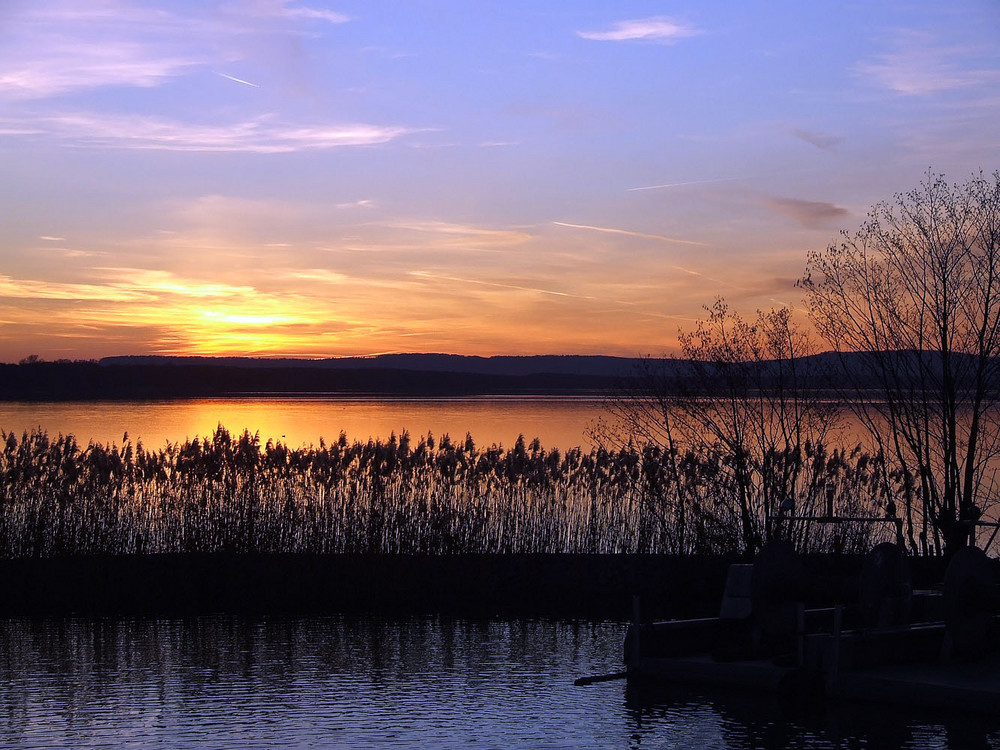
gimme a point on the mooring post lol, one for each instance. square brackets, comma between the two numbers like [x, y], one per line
[838, 623]
[636, 624]
[800, 614]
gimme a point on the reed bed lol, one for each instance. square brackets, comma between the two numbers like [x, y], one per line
[232, 493]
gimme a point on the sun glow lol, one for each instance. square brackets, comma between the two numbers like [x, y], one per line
[451, 292]
[245, 319]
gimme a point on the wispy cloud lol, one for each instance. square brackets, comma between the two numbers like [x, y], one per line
[610, 305]
[54, 47]
[286, 9]
[627, 233]
[54, 290]
[823, 141]
[69, 252]
[657, 28]
[810, 214]
[319, 275]
[465, 233]
[165, 282]
[495, 284]
[916, 65]
[94, 13]
[76, 66]
[545, 55]
[259, 135]
[9, 128]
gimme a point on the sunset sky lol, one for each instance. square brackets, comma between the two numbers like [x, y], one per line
[341, 178]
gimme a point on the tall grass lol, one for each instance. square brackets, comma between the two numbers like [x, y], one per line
[232, 493]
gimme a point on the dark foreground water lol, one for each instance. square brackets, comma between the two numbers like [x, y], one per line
[226, 682]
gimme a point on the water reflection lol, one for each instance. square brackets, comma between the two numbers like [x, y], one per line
[362, 682]
[560, 422]
[234, 682]
[748, 721]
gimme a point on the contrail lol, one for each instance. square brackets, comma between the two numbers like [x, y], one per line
[679, 184]
[426, 275]
[237, 80]
[621, 303]
[656, 237]
[630, 234]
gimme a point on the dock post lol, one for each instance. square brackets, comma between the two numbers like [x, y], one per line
[800, 616]
[636, 651]
[838, 624]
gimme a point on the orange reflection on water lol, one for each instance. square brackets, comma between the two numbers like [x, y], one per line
[558, 422]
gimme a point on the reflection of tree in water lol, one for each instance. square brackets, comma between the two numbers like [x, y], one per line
[747, 721]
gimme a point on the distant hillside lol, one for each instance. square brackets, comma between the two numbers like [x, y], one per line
[134, 378]
[410, 375]
[502, 365]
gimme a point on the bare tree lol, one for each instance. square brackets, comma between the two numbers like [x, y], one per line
[911, 301]
[729, 427]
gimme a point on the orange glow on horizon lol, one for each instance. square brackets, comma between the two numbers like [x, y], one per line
[424, 287]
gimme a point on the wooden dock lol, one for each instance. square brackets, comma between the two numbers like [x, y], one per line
[972, 686]
[935, 649]
[968, 687]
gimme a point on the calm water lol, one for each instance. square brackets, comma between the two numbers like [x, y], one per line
[227, 682]
[559, 422]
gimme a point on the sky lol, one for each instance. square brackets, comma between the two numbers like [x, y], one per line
[316, 179]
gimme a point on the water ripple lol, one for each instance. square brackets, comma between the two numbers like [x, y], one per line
[227, 682]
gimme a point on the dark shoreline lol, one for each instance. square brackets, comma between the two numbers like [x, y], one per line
[556, 585]
[132, 378]
[90, 381]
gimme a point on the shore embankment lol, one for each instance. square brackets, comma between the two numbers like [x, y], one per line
[550, 585]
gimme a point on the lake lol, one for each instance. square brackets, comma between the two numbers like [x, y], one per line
[559, 422]
[357, 682]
